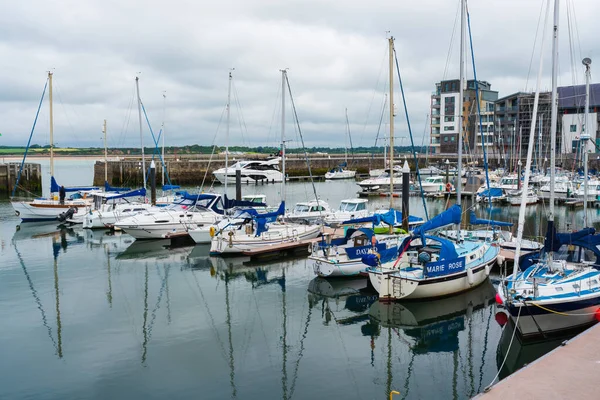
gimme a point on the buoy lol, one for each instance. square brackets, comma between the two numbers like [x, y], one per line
[212, 231]
[597, 315]
[488, 268]
[501, 318]
[499, 300]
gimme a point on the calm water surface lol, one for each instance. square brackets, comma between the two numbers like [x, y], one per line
[98, 315]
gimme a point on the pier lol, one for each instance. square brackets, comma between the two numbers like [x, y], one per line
[567, 372]
[31, 178]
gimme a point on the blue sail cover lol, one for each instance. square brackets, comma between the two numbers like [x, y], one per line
[492, 192]
[476, 221]
[170, 187]
[268, 217]
[263, 219]
[108, 188]
[55, 187]
[134, 193]
[450, 216]
[230, 203]
[391, 217]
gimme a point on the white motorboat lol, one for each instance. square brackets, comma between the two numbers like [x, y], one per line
[514, 197]
[381, 182]
[252, 171]
[192, 210]
[435, 184]
[309, 212]
[348, 209]
[340, 172]
[593, 190]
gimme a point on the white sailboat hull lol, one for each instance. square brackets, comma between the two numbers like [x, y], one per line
[232, 242]
[340, 175]
[44, 210]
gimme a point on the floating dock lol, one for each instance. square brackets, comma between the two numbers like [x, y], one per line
[568, 372]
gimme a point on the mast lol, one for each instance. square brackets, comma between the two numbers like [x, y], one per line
[139, 101]
[346, 138]
[540, 142]
[585, 136]
[163, 150]
[460, 105]
[391, 56]
[51, 123]
[521, 222]
[105, 153]
[283, 79]
[554, 117]
[227, 132]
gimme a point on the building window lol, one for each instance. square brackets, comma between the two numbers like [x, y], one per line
[448, 128]
[452, 139]
[574, 145]
[448, 119]
[445, 139]
[573, 128]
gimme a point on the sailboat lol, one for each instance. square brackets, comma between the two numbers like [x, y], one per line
[263, 231]
[561, 290]
[340, 172]
[430, 266]
[43, 209]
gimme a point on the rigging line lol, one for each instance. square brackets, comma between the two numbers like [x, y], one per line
[571, 53]
[576, 29]
[477, 97]
[210, 316]
[241, 120]
[300, 352]
[534, 43]
[451, 42]
[125, 126]
[36, 297]
[408, 374]
[62, 105]
[381, 65]
[302, 139]
[275, 109]
[213, 150]
[158, 299]
[262, 328]
[29, 141]
[412, 142]
[485, 348]
[488, 387]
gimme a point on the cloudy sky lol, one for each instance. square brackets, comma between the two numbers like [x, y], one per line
[335, 51]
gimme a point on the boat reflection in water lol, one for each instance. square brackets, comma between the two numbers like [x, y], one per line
[522, 352]
[154, 250]
[444, 325]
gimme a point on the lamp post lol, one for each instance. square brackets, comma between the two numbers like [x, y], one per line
[447, 170]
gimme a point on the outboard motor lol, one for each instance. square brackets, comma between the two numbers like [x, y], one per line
[67, 214]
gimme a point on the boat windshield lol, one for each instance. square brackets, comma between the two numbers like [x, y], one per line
[301, 208]
[347, 206]
[239, 164]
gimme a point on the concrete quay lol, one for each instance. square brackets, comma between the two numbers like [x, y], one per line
[31, 178]
[568, 372]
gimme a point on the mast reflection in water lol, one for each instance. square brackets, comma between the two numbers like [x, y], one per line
[97, 315]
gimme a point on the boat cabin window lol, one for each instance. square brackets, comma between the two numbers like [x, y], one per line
[126, 210]
[317, 208]
[360, 241]
[361, 206]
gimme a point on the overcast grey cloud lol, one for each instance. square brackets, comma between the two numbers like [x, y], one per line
[335, 51]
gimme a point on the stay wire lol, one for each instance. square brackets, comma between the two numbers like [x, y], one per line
[412, 142]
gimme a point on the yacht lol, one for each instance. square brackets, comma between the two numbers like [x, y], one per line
[348, 209]
[435, 184]
[381, 182]
[252, 171]
[340, 172]
[309, 212]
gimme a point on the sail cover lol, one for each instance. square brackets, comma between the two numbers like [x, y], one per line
[391, 217]
[476, 221]
[450, 216]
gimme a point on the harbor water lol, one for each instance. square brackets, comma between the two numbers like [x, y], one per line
[95, 315]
